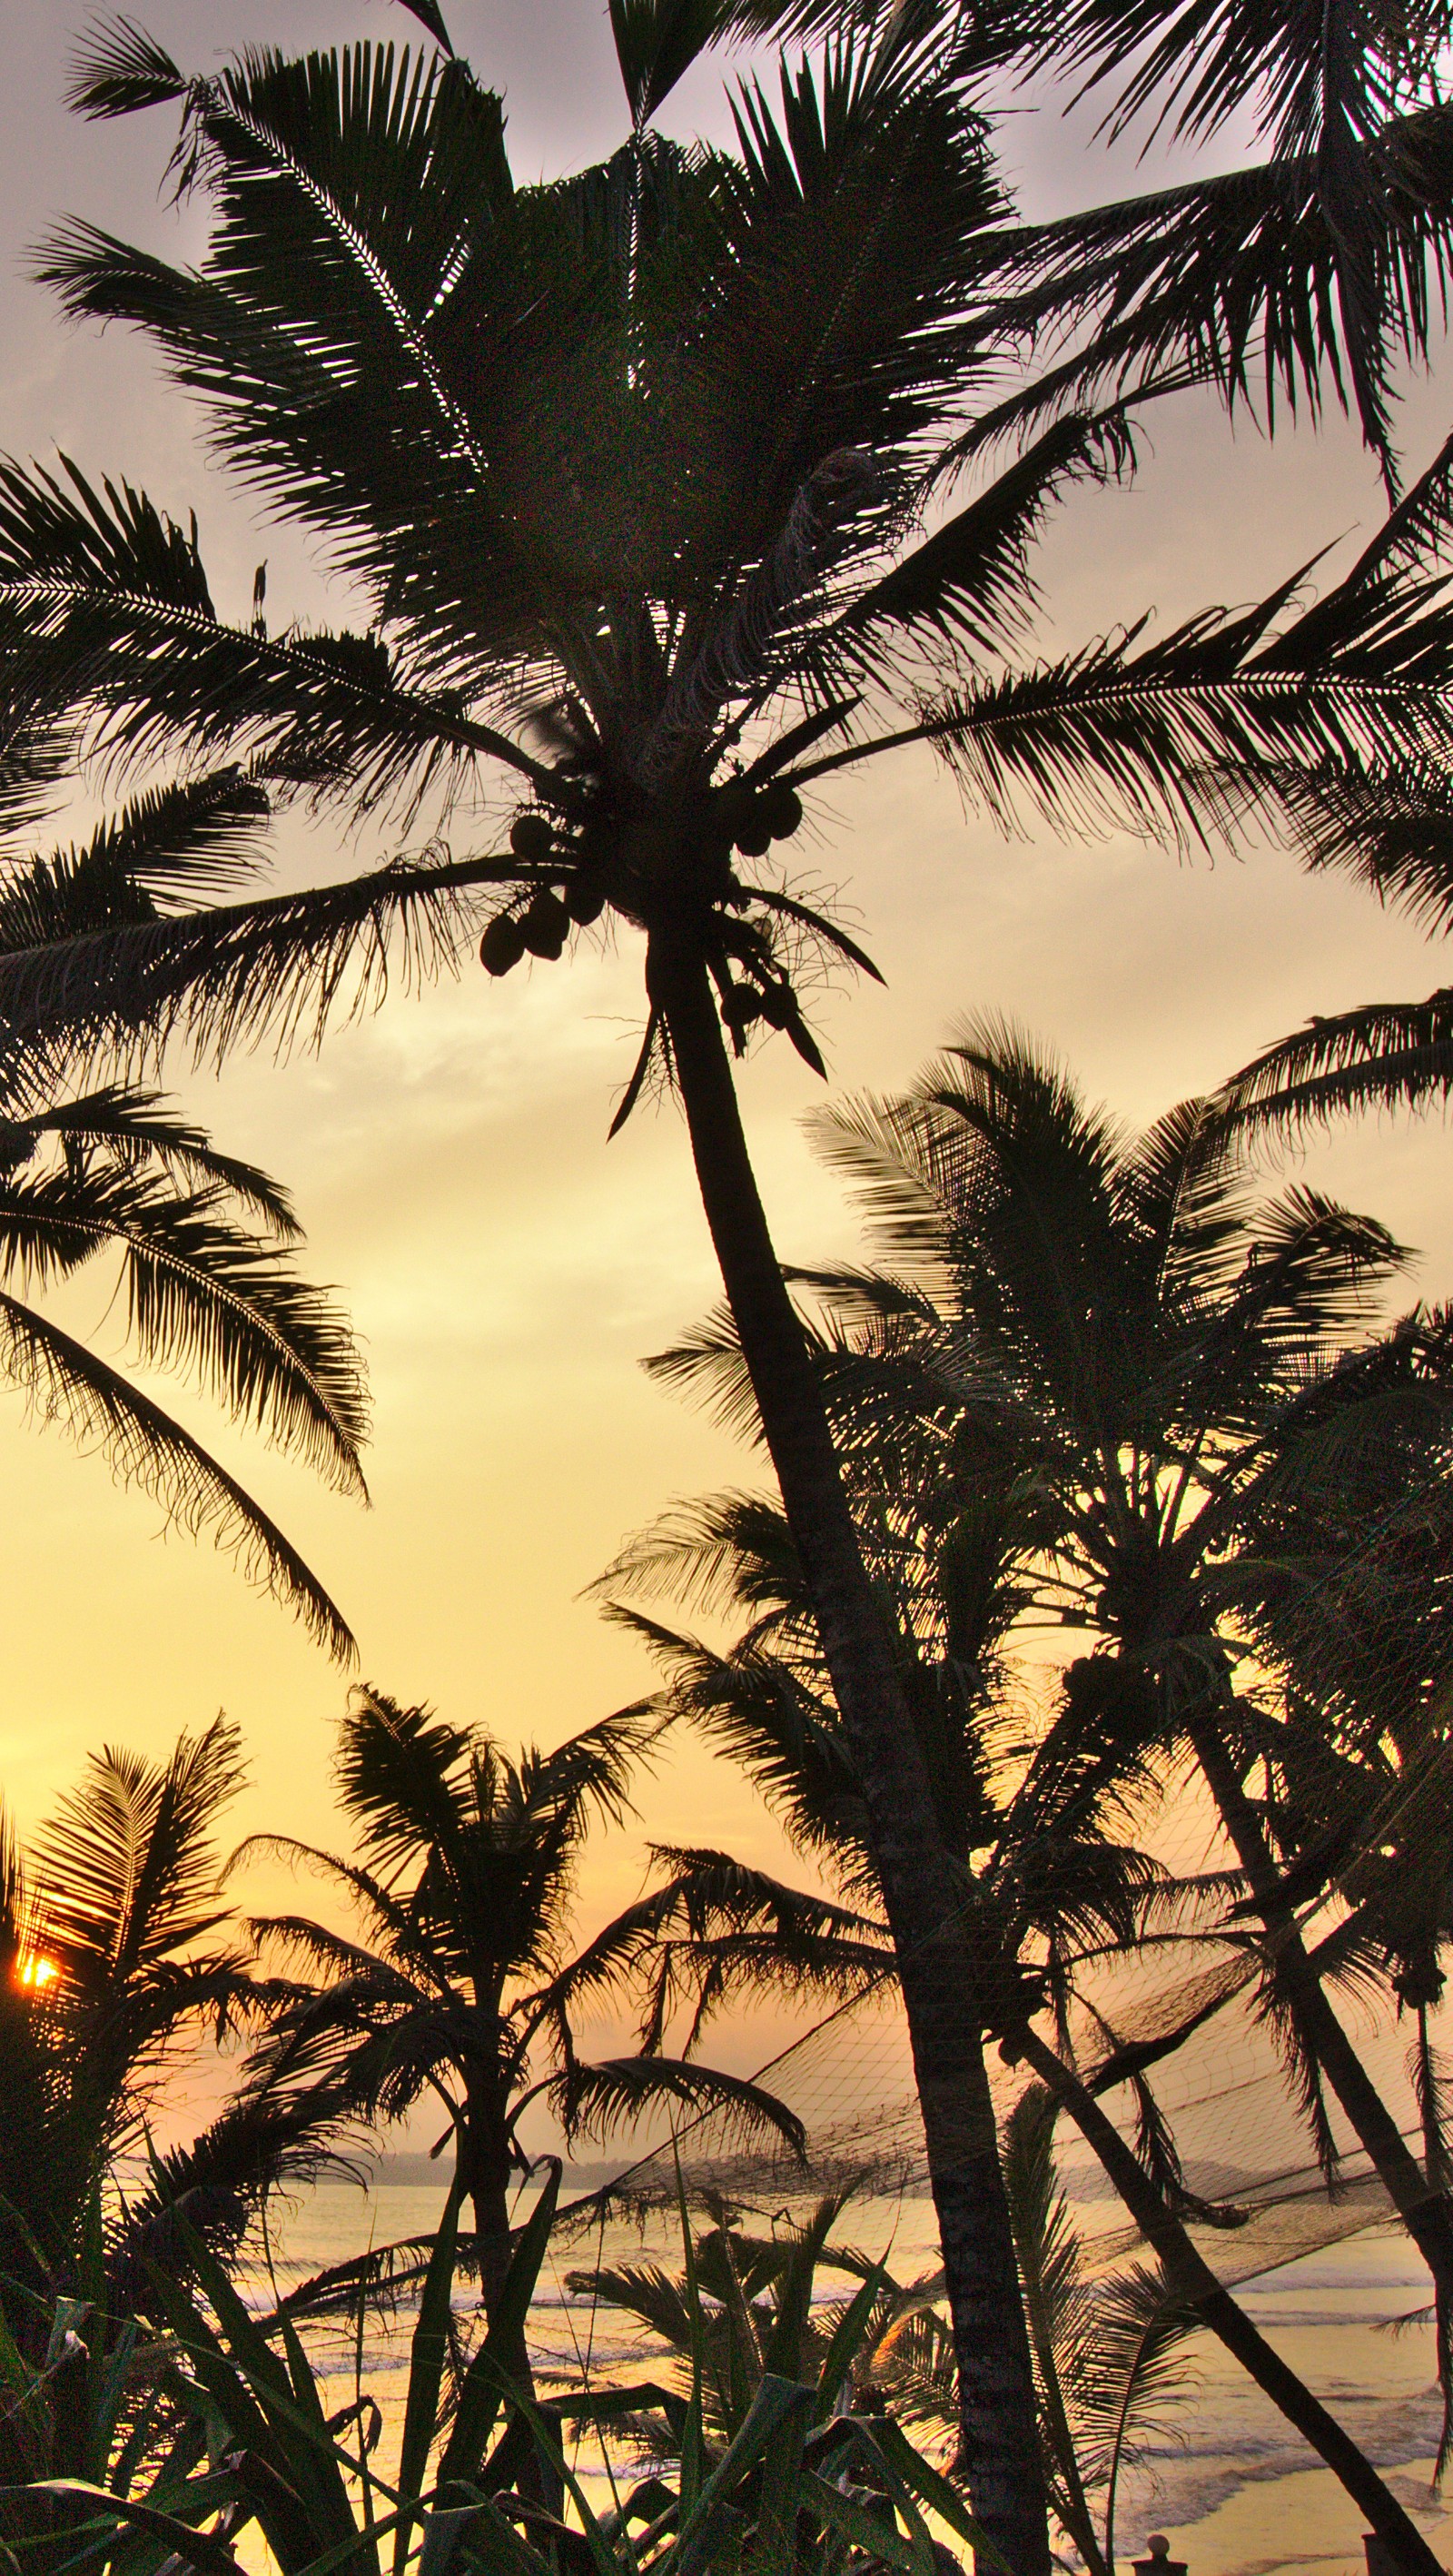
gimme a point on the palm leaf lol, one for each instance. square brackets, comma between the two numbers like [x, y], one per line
[127, 1867]
[104, 599]
[205, 1297]
[283, 966]
[1312, 266]
[970, 579]
[657, 40]
[68, 1384]
[138, 1127]
[191, 840]
[1384, 1055]
[591, 2100]
[1165, 737]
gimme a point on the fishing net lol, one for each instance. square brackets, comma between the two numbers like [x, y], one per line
[849, 2081]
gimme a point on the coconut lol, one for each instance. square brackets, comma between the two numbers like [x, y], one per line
[532, 837]
[754, 832]
[585, 897]
[742, 1004]
[546, 925]
[503, 944]
[780, 808]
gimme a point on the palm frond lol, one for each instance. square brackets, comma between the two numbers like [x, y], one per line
[765, 1715]
[215, 2187]
[1384, 1055]
[726, 1551]
[1178, 737]
[1311, 268]
[1051, 2271]
[138, 1127]
[710, 1365]
[657, 41]
[206, 1298]
[1135, 2379]
[283, 966]
[171, 846]
[127, 1867]
[67, 1384]
[970, 579]
[105, 605]
[402, 1775]
[592, 2100]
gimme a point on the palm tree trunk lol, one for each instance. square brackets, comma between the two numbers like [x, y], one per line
[1190, 2277]
[921, 1890]
[492, 2241]
[485, 2160]
[484, 2148]
[1423, 2208]
[1435, 2164]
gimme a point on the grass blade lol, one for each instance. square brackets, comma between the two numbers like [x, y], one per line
[480, 2396]
[426, 2365]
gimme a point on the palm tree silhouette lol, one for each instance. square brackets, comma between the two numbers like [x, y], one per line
[113, 1944]
[1102, 1385]
[460, 1982]
[1178, 1388]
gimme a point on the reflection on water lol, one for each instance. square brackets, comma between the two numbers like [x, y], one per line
[1234, 2489]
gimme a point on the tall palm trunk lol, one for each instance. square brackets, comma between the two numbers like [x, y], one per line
[1435, 2152]
[921, 1891]
[1421, 2205]
[1190, 2277]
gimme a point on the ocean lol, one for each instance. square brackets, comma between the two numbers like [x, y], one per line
[1232, 2487]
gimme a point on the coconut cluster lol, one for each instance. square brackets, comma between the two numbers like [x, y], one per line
[739, 818]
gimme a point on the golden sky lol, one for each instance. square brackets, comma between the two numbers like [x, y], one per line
[507, 1270]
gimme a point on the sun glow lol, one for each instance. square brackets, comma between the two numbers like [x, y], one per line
[34, 1971]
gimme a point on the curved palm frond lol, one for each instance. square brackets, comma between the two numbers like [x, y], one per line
[283, 967]
[138, 1128]
[1383, 1055]
[206, 1299]
[66, 1383]
[593, 2100]
[126, 1871]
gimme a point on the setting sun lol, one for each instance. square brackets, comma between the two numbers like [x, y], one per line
[36, 1971]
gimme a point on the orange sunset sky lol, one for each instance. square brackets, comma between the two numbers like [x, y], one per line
[506, 1269]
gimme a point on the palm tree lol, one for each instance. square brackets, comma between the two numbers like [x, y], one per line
[633, 471]
[112, 1946]
[1182, 1381]
[1047, 1899]
[110, 1177]
[459, 1982]
[978, 1503]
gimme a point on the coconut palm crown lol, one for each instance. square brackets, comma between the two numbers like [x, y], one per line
[459, 1983]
